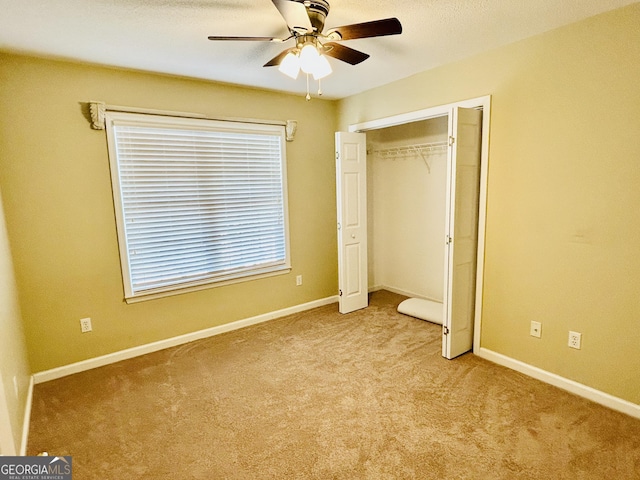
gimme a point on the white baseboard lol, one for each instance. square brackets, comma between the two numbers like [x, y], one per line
[400, 291]
[110, 358]
[589, 393]
[27, 418]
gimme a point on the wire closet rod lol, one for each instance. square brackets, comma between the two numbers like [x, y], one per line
[423, 150]
[411, 150]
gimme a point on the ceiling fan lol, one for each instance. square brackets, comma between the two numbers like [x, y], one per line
[305, 21]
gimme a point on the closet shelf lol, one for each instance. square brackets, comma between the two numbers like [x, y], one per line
[422, 150]
[411, 150]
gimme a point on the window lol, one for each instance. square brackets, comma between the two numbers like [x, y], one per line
[197, 201]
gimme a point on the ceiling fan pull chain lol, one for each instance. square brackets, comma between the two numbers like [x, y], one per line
[319, 87]
[308, 97]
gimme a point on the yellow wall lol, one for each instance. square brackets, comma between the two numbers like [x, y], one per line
[13, 353]
[563, 216]
[54, 175]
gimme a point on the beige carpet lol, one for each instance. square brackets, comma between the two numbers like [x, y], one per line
[319, 395]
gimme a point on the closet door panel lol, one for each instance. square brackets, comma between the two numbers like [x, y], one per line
[352, 200]
[462, 231]
[353, 281]
[351, 190]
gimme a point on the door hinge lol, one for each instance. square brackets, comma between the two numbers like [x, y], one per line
[448, 240]
[337, 155]
[339, 293]
[452, 140]
[445, 330]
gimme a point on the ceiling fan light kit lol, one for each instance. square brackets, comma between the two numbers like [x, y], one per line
[322, 68]
[290, 65]
[305, 21]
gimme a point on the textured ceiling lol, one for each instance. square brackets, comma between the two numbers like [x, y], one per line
[170, 36]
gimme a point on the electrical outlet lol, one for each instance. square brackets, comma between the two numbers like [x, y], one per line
[299, 280]
[536, 329]
[85, 325]
[575, 340]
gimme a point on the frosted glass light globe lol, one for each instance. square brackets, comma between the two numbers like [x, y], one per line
[308, 58]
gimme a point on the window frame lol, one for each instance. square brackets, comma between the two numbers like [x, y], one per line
[116, 118]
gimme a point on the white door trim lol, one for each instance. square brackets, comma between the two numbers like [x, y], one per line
[439, 111]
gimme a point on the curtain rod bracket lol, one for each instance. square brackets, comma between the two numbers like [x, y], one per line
[291, 128]
[97, 110]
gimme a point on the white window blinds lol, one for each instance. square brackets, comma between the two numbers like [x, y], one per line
[197, 201]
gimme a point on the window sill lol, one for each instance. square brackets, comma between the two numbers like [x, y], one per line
[203, 285]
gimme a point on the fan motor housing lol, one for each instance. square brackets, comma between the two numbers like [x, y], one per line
[317, 11]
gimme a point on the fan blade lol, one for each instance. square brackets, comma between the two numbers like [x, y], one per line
[247, 39]
[343, 53]
[295, 14]
[277, 60]
[377, 28]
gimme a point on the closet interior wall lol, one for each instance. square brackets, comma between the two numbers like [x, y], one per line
[406, 208]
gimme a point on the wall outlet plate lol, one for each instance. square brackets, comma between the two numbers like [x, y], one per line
[536, 329]
[575, 340]
[299, 280]
[85, 325]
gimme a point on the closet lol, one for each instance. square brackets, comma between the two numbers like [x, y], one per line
[410, 195]
[406, 188]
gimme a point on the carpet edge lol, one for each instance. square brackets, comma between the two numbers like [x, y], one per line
[590, 393]
[70, 369]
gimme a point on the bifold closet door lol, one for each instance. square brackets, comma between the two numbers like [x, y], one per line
[351, 190]
[461, 230]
